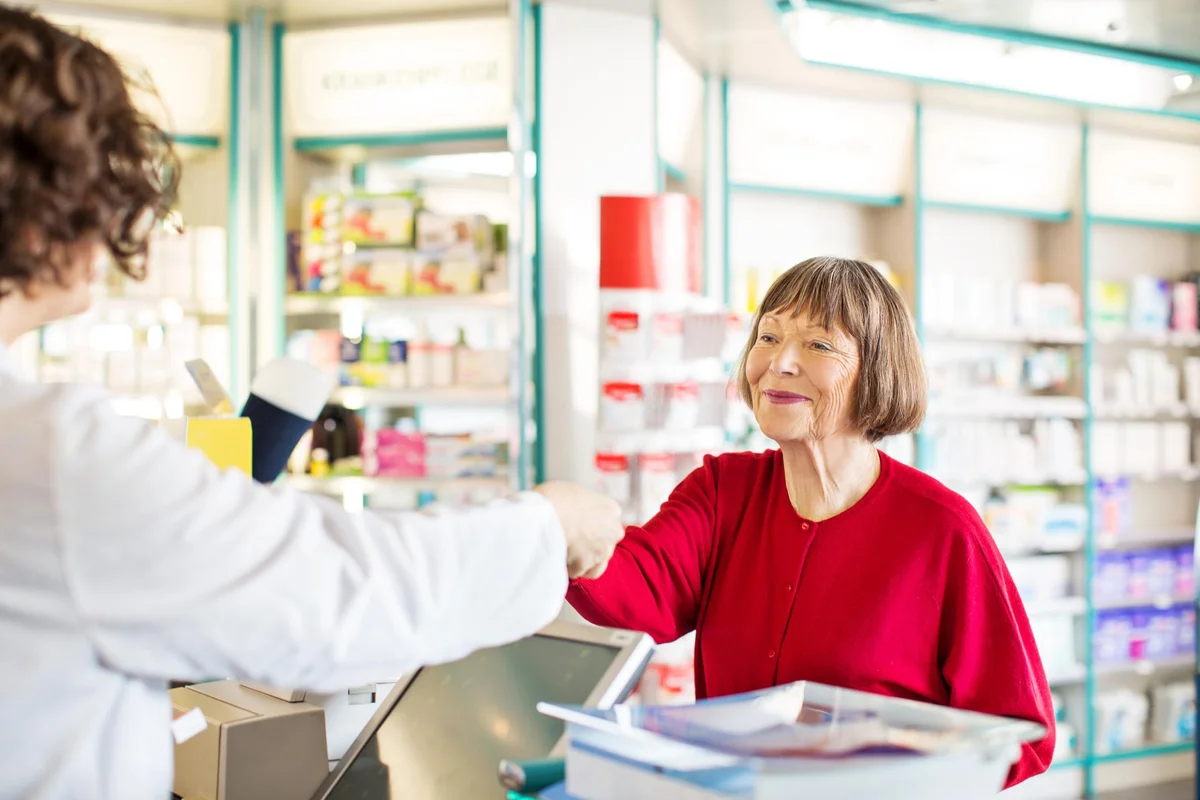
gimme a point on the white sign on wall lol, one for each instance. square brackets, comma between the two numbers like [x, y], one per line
[188, 68]
[986, 161]
[818, 143]
[449, 75]
[1147, 179]
[680, 97]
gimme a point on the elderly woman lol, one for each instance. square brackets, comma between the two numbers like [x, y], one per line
[826, 560]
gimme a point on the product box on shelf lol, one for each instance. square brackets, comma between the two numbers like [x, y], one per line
[1149, 304]
[377, 271]
[459, 236]
[1055, 635]
[447, 273]
[320, 256]
[378, 219]
[1041, 578]
[1120, 719]
[393, 453]
[1126, 635]
[1173, 712]
[1112, 514]
[461, 456]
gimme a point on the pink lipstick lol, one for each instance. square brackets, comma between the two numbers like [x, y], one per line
[784, 398]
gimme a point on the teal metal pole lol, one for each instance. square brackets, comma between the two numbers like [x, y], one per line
[1089, 546]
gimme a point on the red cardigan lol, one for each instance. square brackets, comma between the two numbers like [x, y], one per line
[904, 594]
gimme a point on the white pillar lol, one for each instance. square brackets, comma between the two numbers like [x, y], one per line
[597, 128]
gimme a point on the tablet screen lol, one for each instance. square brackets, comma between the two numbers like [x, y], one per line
[446, 735]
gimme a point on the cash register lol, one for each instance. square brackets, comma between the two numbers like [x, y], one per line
[442, 731]
[438, 735]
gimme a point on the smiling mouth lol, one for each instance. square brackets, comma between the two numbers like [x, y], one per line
[784, 398]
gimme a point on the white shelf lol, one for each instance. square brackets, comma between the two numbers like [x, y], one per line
[1147, 538]
[1073, 478]
[696, 440]
[1038, 547]
[1065, 677]
[343, 484]
[1161, 602]
[1147, 667]
[1186, 474]
[302, 304]
[355, 397]
[701, 370]
[1067, 335]
[1057, 607]
[1178, 411]
[163, 307]
[1008, 407]
[1158, 338]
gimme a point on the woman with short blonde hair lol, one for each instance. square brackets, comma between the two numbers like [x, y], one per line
[825, 559]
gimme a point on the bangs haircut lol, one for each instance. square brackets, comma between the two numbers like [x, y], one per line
[890, 397]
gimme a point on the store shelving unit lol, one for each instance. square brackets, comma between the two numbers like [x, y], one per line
[470, 164]
[990, 196]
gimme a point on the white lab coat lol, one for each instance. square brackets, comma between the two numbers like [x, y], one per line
[127, 560]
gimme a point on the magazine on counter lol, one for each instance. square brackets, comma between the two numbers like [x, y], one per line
[805, 720]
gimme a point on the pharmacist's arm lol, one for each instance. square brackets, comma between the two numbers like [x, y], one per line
[653, 582]
[180, 571]
[989, 658]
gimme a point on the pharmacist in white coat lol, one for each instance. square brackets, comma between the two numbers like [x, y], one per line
[127, 560]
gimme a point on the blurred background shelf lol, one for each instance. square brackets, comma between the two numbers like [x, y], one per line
[343, 484]
[313, 303]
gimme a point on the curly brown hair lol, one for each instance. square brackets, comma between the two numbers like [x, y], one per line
[78, 160]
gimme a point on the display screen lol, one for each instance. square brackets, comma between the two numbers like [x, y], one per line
[445, 737]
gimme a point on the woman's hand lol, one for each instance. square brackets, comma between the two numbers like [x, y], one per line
[591, 523]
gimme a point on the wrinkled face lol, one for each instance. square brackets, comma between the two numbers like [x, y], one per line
[802, 377]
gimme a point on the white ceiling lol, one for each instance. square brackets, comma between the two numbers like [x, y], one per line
[300, 11]
[743, 39]
[1161, 27]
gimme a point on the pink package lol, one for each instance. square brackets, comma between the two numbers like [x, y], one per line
[1111, 638]
[1185, 631]
[1139, 575]
[1162, 633]
[389, 453]
[1185, 572]
[1139, 634]
[1161, 572]
[1183, 306]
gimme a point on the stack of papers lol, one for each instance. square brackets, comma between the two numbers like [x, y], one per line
[801, 739]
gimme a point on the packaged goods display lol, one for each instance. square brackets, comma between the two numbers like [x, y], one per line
[390, 245]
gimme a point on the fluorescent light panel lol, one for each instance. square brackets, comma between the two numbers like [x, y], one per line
[846, 40]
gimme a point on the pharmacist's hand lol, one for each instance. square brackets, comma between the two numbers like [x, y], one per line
[591, 523]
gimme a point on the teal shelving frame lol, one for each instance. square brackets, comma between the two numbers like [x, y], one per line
[1087, 757]
[528, 300]
[233, 219]
[877, 201]
[537, 284]
[1087, 760]
[198, 142]
[1021, 213]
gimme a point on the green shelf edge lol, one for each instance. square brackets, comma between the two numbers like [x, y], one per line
[880, 201]
[1150, 751]
[195, 140]
[1005, 211]
[314, 144]
[671, 171]
[1149, 224]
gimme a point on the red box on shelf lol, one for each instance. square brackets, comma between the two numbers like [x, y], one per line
[651, 242]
